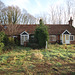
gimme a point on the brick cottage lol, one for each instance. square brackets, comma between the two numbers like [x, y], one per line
[58, 33]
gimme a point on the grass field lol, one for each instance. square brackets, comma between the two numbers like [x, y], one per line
[56, 60]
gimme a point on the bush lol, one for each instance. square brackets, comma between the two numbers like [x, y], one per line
[2, 34]
[33, 45]
[1, 41]
[41, 34]
[17, 42]
[9, 43]
[9, 47]
[6, 40]
[1, 47]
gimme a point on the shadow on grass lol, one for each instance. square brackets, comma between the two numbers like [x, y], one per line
[21, 48]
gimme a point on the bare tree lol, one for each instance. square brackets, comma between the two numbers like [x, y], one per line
[11, 15]
[24, 17]
[2, 5]
[69, 4]
[12, 29]
[53, 15]
[31, 19]
[65, 16]
[70, 9]
[14, 14]
[59, 13]
[27, 18]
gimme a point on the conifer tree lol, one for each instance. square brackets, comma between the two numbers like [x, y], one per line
[41, 34]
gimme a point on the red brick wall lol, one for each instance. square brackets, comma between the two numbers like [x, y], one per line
[72, 42]
[52, 42]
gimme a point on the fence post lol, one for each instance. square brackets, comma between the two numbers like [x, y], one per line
[46, 44]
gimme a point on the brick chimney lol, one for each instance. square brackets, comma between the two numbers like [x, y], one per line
[70, 21]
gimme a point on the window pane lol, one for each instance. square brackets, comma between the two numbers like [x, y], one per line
[71, 37]
[26, 38]
[22, 39]
[67, 37]
[52, 37]
[63, 38]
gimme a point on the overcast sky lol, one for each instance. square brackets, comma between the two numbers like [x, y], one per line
[34, 6]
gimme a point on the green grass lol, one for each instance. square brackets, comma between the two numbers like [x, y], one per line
[56, 60]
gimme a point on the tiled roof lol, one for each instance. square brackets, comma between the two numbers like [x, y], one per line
[20, 28]
[58, 29]
[28, 28]
[52, 29]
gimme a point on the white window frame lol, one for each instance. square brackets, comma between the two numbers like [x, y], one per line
[71, 36]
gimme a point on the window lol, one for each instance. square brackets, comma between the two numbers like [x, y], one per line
[71, 37]
[52, 37]
[26, 38]
[32, 36]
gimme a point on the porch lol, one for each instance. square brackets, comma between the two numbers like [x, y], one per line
[65, 37]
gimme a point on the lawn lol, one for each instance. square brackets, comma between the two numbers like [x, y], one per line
[56, 60]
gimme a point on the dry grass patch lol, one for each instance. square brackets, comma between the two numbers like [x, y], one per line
[37, 55]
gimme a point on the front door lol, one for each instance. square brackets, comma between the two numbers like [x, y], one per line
[67, 39]
[24, 37]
